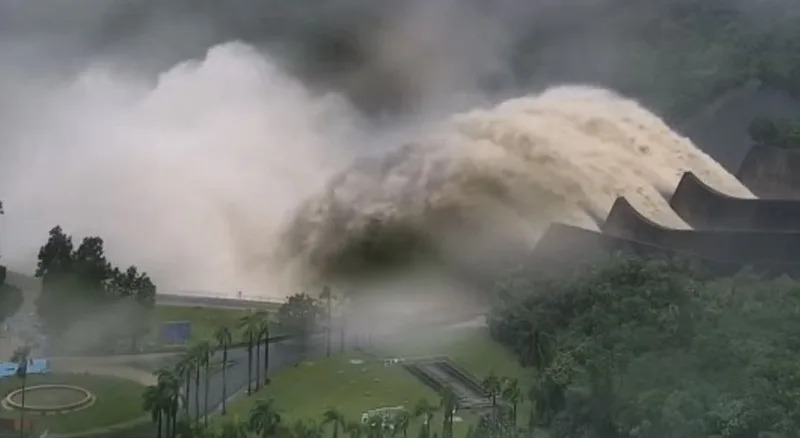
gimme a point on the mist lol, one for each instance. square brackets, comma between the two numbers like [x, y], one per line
[189, 134]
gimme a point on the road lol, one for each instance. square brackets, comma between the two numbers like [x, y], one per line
[282, 355]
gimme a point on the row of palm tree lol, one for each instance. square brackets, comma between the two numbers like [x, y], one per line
[264, 421]
[170, 396]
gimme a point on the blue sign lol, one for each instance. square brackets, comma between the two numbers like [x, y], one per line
[35, 366]
[176, 332]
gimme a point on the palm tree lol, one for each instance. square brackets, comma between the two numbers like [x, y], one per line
[161, 400]
[402, 421]
[186, 429]
[21, 357]
[233, 428]
[224, 338]
[204, 352]
[184, 369]
[426, 411]
[327, 296]
[511, 393]
[257, 337]
[195, 357]
[306, 430]
[492, 385]
[168, 385]
[263, 419]
[153, 403]
[263, 329]
[333, 416]
[374, 426]
[448, 405]
[250, 330]
[354, 429]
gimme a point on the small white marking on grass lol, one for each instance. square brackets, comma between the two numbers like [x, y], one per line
[356, 361]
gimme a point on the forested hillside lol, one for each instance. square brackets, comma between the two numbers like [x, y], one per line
[652, 349]
[675, 55]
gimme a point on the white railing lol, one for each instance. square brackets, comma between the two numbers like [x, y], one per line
[222, 295]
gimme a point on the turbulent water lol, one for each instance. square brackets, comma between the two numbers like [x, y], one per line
[226, 172]
[496, 177]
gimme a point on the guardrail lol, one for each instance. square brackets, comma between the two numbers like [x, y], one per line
[228, 301]
[223, 295]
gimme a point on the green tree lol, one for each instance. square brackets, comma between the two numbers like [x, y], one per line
[233, 428]
[263, 333]
[154, 403]
[354, 429]
[186, 429]
[168, 385]
[333, 417]
[448, 405]
[301, 429]
[76, 282]
[402, 421]
[512, 394]
[327, 296]
[764, 131]
[264, 420]
[298, 316]
[493, 387]
[250, 325]
[204, 352]
[184, 369]
[224, 339]
[425, 411]
[195, 354]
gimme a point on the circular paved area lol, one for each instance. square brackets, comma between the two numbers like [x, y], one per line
[49, 399]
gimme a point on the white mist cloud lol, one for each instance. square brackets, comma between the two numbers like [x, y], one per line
[186, 177]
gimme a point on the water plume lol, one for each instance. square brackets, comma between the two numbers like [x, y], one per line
[491, 180]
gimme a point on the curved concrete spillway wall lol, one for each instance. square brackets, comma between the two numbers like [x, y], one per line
[771, 172]
[734, 246]
[703, 207]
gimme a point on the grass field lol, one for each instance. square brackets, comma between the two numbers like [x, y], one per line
[118, 401]
[306, 391]
[205, 320]
[471, 348]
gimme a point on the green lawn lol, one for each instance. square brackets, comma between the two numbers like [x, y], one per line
[306, 391]
[118, 401]
[205, 320]
[471, 348]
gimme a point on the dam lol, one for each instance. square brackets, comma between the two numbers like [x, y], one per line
[727, 233]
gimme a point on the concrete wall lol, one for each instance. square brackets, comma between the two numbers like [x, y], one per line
[744, 247]
[702, 207]
[771, 172]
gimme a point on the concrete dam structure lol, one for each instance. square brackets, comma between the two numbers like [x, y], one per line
[703, 207]
[727, 234]
[771, 172]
